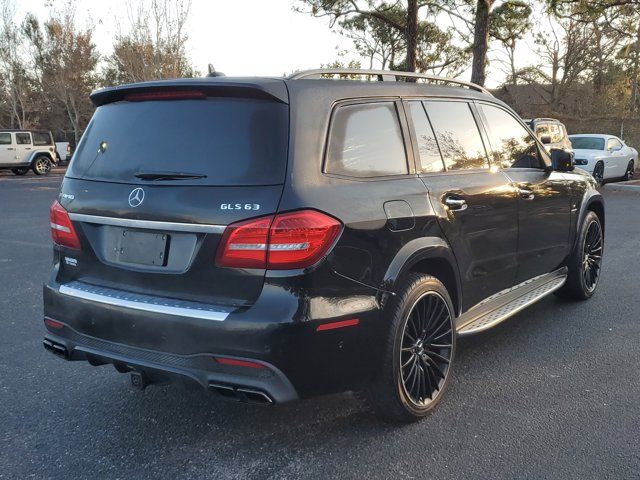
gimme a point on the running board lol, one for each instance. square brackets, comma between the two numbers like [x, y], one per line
[504, 304]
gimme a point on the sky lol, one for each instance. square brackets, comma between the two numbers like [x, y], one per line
[239, 37]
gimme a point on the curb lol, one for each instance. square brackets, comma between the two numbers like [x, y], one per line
[624, 185]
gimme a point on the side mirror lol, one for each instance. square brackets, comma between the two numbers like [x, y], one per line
[561, 160]
[545, 139]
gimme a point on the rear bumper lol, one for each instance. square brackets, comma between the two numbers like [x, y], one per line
[262, 383]
[279, 332]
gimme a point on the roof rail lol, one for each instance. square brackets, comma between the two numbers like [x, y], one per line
[385, 76]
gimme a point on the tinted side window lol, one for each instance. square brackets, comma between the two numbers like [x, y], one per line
[23, 138]
[430, 159]
[556, 133]
[366, 141]
[613, 144]
[458, 135]
[542, 129]
[5, 139]
[513, 146]
[41, 138]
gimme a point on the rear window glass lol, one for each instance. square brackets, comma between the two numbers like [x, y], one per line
[230, 141]
[587, 143]
[5, 139]
[366, 141]
[40, 138]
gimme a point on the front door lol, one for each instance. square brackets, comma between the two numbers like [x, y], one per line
[544, 208]
[475, 205]
[7, 149]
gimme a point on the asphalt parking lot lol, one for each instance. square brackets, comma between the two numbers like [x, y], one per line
[552, 393]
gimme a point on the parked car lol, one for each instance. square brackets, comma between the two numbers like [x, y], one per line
[21, 150]
[63, 152]
[551, 132]
[606, 157]
[309, 235]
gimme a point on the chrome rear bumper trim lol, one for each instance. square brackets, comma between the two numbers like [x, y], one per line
[147, 303]
[148, 224]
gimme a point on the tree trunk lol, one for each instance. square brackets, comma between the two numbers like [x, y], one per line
[481, 42]
[411, 35]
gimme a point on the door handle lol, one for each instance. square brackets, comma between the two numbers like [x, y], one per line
[457, 204]
[10, 148]
[28, 148]
[526, 193]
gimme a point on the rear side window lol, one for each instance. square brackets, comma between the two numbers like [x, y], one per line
[542, 129]
[430, 159]
[512, 144]
[458, 135]
[23, 138]
[613, 144]
[5, 139]
[227, 141]
[556, 133]
[41, 138]
[366, 141]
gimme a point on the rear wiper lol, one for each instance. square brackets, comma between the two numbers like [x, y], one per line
[157, 176]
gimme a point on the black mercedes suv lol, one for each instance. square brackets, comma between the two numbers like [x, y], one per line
[273, 239]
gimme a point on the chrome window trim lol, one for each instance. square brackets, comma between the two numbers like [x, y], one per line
[148, 224]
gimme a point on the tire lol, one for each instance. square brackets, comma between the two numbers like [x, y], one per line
[628, 175]
[20, 171]
[581, 283]
[411, 393]
[42, 165]
[598, 173]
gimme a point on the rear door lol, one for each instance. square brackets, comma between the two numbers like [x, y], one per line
[154, 183]
[476, 206]
[544, 210]
[23, 146]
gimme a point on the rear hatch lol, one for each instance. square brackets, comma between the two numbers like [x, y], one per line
[156, 178]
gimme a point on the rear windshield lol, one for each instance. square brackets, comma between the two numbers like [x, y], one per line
[229, 141]
[587, 143]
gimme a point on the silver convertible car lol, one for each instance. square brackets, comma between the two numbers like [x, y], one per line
[606, 157]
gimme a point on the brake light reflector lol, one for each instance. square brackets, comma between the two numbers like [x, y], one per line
[62, 230]
[53, 323]
[285, 241]
[239, 363]
[165, 95]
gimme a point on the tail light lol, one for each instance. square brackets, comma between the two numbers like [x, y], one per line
[62, 230]
[284, 241]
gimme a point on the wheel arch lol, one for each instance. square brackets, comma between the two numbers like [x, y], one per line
[38, 153]
[431, 256]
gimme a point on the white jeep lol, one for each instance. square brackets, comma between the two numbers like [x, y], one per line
[21, 150]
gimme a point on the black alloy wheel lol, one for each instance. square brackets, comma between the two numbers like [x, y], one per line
[427, 346]
[592, 255]
[598, 174]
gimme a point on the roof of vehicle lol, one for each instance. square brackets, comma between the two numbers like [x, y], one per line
[280, 88]
[4, 130]
[594, 135]
[543, 119]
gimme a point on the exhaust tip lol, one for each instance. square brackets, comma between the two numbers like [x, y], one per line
[56, 348]
[242, 394]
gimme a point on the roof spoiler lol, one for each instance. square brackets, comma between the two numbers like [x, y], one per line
[265, 89]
